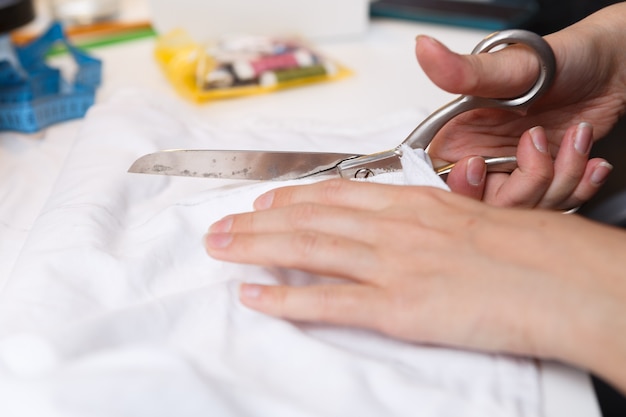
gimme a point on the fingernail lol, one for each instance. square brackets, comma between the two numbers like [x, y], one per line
[582, 140]
[475, 171]
[222, 226]
[539, 139]
[426, 38]
[601, 173]
[250, 291]
[264, 201]
[429, 39]
[218, 240]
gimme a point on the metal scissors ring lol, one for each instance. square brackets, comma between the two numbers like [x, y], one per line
[426, 131]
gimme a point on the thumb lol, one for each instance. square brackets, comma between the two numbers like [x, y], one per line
[504, 73]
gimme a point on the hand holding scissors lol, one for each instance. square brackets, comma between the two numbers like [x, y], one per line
[552, 139]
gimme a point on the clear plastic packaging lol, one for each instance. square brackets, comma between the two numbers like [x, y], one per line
[240, 65]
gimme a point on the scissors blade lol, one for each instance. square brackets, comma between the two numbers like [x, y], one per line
[237, 164]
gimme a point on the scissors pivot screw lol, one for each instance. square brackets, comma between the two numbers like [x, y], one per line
[363, 173]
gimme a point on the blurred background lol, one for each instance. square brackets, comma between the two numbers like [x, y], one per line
[540, 16]
[554, 15]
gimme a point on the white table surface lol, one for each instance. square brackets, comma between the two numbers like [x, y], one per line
[387, 80]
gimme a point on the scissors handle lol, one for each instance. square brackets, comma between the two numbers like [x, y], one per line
[425, 132]
[495, 164]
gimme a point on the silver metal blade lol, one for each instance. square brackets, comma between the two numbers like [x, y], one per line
[248, 165]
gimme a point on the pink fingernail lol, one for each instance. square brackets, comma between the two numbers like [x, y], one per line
[582, 140]
[475, 171]
[424, 41]
[264, 201]
[426, 38]
[218, 240]
[539, 139]
[222, 226]
[250, 291]
[601, 173]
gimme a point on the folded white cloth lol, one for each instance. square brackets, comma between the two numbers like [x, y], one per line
[114, 309]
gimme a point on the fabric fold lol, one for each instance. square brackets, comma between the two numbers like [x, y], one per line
[113, 289]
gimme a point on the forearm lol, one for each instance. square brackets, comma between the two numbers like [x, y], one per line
[609, 360]
[604, 338]
[588, 326]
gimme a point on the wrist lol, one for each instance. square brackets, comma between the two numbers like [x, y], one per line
[606, 31]
[592, 331]
[603, 345]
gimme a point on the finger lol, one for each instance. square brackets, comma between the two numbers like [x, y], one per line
[468, 177]
[304, 250]
[340, 221]
[527, 184]
[343, 193]
[569, 165]
[505, 73]
[333, 304]
[596, 174]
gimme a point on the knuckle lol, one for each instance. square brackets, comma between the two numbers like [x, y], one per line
[276, 301]
[280, 298]
[284, 196]
[246, 222]
[333, 189]
[433, 194]
[303, 215]
[305, 244]
[397, 308]
[326, 302]
[422, 196]
[511, 200]
[472, 79]
[392, 327]
[541, 178]
[402, 304]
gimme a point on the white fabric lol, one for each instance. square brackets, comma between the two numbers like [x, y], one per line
[114, 309]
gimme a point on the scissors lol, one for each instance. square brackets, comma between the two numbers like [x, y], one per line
[271, 165]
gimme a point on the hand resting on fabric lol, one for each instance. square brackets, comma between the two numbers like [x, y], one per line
[427, 265]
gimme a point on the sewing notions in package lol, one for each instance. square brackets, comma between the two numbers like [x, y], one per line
[239, 65]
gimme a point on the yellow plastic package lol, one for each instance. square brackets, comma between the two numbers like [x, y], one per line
[241, 65]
